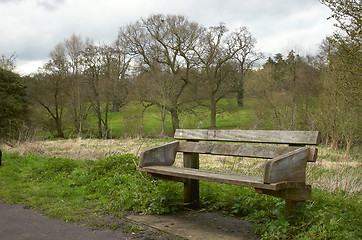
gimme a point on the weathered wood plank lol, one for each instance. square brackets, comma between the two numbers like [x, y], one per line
[220, 177]
[300, 192]
[170, 178]
[287, 167]
[256, 136]
[162, 156]
[239, 150]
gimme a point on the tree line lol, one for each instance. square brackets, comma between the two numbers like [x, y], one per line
[176, 65]
[166, 61]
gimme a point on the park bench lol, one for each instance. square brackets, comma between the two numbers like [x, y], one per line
[284, 172]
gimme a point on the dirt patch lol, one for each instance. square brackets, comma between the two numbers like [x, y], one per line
[196, 225]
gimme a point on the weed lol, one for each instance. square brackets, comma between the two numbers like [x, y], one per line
[133, 229]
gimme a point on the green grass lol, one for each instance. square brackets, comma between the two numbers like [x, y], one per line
[74, 190]
[129, 122]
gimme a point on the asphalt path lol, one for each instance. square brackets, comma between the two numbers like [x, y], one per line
[19, 223]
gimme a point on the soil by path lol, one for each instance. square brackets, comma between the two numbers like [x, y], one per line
[196, 225]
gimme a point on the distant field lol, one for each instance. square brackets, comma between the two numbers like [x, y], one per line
[129, 121]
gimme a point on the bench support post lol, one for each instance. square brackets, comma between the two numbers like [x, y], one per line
[292, 206]
[191, 186]
[294, 197]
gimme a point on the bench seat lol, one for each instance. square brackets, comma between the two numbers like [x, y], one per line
[220, 177]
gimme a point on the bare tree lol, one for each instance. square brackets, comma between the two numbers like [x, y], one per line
[225, 59]
[164, 44]
[213, 55]
[52, 78]
[8, 63]
[243, 43]
[74, 47]
[118, 66]
[95, 65]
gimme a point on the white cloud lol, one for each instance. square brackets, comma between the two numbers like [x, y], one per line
[32, 28]
[27, 67]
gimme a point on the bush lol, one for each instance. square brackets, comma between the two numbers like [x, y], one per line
[13, 104]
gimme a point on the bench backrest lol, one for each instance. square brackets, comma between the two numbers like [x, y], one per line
[294, 139]
[165, 155]
[286, 163]
[251, 136]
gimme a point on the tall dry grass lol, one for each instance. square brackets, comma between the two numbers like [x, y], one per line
[333, 171]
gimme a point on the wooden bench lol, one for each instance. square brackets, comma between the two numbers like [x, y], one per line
[284, 173]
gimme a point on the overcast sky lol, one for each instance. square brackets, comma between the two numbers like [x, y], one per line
[32, 28]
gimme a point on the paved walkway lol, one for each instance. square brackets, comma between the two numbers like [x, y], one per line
[20, 223]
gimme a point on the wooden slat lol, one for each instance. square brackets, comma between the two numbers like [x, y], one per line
[287, 167]
[228, 178]
[239, 150]
[299, 193]
[163, 155]
[256, 136]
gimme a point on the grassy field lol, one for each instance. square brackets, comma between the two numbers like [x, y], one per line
[86, 190]
[129, 122]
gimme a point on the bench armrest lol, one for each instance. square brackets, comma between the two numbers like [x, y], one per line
[287, 167]
[159, 156]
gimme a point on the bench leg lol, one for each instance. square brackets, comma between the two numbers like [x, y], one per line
[191, 187]
[191, 193]
[292, 206]
[294, 197]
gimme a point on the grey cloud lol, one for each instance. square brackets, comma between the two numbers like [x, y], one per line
[50, 4]
[47, 4]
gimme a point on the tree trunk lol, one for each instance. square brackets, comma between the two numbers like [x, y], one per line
[105, 123]
[116, 104]
[163, 119]
[175, 120]
[348, 147]
[59, 129]
[100, 132]
[99, 115]
[334, 145]
[240, 98]
[213, 103]
[240, 95]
